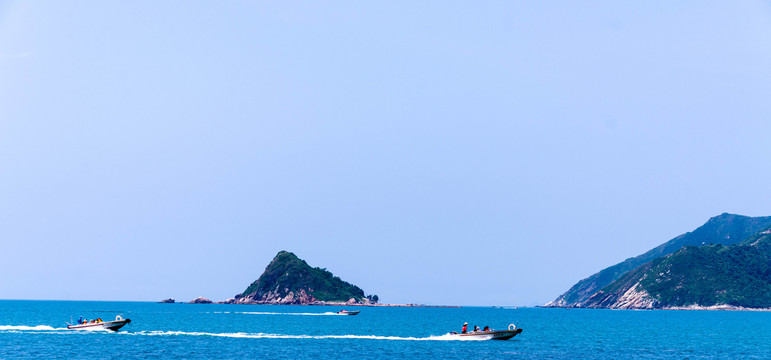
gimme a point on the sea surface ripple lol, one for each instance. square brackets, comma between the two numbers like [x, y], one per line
[37, 329]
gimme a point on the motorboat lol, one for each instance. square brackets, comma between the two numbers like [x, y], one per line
[491, 334]
[113, 325]
[346, 312]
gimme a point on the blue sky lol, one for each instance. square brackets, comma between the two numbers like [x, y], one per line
[470, 153]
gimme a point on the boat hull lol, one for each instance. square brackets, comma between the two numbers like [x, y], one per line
[110, 325]
[492, 335]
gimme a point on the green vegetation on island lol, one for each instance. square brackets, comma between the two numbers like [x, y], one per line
[737, 275]
[290, 280]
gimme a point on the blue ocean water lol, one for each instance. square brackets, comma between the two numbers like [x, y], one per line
[37, 329]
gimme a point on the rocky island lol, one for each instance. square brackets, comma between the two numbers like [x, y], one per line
[290, 280]
[200, 300]
[724, 264]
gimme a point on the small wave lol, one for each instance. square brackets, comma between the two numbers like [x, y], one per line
[446, 337]
[279, 313]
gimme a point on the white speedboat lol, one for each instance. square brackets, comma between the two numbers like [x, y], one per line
[491, 334]
[114, 325]
[346, 312]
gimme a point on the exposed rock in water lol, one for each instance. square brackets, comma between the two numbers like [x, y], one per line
[200, 300]
[289, 280]
[168, 301]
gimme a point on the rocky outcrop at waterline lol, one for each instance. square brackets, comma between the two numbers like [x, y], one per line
[200, 300]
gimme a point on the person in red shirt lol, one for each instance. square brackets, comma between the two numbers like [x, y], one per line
[464, 330]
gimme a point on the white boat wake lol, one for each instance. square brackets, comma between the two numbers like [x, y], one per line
[41, 328]
[446, 337]
[29, 328]
[277, 313]
[242, 335]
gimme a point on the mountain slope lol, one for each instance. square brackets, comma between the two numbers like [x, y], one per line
[290, 280]
[737, 275]
[725, 229]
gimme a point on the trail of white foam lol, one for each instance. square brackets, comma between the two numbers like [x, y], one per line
[18, 328]
[28, 328]
[303, 314]
[446, 337]
[277, 313]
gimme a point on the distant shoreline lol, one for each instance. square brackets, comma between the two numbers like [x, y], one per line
[383, 305]
[347, 304]
[202, 300]
[222, 303]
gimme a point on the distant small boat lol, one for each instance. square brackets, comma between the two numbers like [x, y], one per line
[492, 335]
[114, 325]
[346, 312]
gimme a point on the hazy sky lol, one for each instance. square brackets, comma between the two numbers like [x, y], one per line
[469, 153]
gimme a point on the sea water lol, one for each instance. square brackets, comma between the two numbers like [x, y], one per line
[37, 329]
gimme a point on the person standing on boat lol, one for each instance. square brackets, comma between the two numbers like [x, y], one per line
[464, 329]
